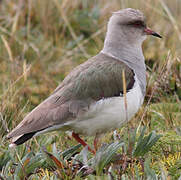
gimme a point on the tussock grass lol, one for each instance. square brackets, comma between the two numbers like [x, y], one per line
[41, 41]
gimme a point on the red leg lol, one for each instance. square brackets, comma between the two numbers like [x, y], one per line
[95, 143]
[77, 138]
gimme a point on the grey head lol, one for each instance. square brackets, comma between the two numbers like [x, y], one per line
[129, 26]
[126, 32]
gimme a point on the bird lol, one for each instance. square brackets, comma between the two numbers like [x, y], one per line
[90, 100]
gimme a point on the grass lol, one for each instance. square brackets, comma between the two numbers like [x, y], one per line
[40, 43]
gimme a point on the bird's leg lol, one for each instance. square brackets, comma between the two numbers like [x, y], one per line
[77, 138]
[96, 141]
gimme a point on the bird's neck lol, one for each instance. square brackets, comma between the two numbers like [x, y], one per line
[117, 44]
[120, 47]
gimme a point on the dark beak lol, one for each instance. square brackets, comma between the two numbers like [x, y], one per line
[150, 32]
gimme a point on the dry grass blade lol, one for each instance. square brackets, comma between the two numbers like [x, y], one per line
[172, 19]
[22, 76]
[82, 43]
[124, 93]
[154, 9]
[29, 17]
[7, 48]
[70, 28]
[4, 123]
[25, 70]
[5, 31]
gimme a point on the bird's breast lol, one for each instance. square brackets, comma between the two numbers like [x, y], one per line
[109, 113]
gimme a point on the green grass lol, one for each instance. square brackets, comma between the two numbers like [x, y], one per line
[40, 43]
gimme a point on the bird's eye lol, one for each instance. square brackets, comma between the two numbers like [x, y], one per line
[137, 23]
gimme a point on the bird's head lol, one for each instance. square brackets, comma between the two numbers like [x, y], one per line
[131, 24]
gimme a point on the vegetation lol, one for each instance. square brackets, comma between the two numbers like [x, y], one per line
[40, 43]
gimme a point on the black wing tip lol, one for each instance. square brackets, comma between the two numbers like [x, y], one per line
[22, 139]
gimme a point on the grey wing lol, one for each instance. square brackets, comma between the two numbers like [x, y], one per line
[43, 116]
[57, 109]
[86, 84]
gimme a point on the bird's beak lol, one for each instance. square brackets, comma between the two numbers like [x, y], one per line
[150, 32]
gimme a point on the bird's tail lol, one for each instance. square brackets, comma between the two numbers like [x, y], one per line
[21, 139]
[17, 140]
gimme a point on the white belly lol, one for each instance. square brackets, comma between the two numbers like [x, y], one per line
[109, 113]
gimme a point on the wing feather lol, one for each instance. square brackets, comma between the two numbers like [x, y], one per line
[99, 77]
